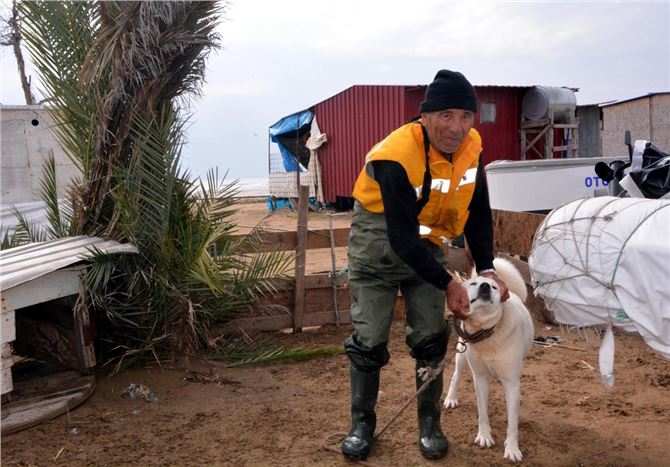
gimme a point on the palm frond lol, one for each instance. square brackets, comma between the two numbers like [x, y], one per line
[59, 223]
[245, 350]
[26, 230]
[9, 239]
[58, 36]
[266, 272]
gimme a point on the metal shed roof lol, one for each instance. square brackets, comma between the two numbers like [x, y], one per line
[28, 262]
[651, 94]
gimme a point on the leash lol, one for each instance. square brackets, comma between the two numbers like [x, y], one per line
[427, 374]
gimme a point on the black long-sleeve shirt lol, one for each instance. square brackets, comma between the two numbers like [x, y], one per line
[400, 209]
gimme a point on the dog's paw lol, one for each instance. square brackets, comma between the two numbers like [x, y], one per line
[512, 451]
[513, 454]
[484, 439]
[450, 403]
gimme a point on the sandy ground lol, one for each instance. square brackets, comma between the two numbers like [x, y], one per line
[281, 414]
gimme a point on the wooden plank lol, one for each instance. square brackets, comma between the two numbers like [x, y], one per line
[513, 232]
[7, 357]
[275, 323]
[57, 284]
[534, 123]
[315, 318]
[313, 281]
[316, 238]
[333, 270]
[8, 330]
[84, 332]
[322, 281]
[548, 142]
[300, 258]
[539, 135]
[6, 385]
[7, 363]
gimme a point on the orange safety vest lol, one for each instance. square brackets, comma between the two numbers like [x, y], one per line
[452, 186]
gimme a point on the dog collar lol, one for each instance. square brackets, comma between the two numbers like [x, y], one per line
[474, 337]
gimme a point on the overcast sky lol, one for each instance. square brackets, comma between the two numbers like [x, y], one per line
[281, 57]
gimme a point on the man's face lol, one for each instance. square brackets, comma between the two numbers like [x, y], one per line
[448, 128]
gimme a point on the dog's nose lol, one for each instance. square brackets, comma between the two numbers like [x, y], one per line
[484, 291]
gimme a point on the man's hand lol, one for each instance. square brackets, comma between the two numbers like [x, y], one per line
[504, 291]
[457, 299]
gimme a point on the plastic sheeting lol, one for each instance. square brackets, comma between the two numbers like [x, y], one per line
[286, 126]
[316, 139]
[606, 261]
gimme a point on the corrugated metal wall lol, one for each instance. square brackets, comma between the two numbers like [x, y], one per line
[501, 139]
[589, 131]
[357, 118]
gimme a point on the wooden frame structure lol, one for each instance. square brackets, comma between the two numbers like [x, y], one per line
[546, 127]
[513, 239]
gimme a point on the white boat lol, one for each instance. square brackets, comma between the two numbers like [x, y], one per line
[543, 185]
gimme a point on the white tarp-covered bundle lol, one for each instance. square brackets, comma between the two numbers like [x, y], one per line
[606, 261]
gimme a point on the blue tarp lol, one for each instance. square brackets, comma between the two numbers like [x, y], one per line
[289, 124]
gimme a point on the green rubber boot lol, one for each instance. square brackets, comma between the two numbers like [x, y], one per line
[364, 388]
[432, 442]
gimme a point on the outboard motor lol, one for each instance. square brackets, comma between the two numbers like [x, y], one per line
[648, 177]
[649, 172]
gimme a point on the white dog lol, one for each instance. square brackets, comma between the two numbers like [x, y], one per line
[497, 336]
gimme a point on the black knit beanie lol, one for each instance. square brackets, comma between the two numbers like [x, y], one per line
[449, 90]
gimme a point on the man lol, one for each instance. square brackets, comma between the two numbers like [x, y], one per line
[421, 186]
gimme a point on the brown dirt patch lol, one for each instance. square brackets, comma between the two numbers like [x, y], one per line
[280, 414]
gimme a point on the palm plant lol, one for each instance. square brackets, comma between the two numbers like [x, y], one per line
[118, 76]
[59, 215]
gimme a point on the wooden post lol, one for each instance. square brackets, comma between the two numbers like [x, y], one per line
[333, 271]
[300, 252]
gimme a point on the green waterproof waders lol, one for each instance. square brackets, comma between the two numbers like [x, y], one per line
[364, 387]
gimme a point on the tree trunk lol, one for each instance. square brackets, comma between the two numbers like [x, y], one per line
[16, 45]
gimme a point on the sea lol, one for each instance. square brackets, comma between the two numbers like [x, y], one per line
[253, 187]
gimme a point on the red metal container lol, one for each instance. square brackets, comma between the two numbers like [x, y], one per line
[500, 138]
[360, 116]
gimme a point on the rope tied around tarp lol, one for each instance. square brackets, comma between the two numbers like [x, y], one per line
[573, 244]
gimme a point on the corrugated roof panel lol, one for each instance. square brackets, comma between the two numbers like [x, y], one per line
[28, 262]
